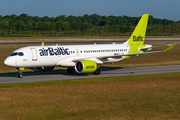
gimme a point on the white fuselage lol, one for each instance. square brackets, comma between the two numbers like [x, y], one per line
[64, 55]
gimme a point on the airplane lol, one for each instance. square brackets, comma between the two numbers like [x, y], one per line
[82, 58]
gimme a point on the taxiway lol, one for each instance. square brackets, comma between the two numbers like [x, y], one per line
[105, 73]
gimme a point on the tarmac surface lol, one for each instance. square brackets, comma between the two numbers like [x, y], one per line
[105, 73]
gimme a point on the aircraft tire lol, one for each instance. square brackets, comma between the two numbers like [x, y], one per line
[97, 72]
[20, 76]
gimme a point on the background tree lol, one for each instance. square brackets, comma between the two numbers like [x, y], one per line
[78, 25]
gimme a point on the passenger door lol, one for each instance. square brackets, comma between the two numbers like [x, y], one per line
[34, 54]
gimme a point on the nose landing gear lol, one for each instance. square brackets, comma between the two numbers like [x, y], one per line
[19, 72]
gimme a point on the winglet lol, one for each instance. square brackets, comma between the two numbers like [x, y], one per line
[168, 49]
[42, 44]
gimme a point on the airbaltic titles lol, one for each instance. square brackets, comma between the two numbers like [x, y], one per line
[52, 51]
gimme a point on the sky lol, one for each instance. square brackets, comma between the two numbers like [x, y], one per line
[163, 9]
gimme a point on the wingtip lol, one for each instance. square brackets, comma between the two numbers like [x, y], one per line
[168, 49]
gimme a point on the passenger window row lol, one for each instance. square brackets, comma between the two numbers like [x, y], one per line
[98, 51]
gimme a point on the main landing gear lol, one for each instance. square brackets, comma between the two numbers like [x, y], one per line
[70, 70]
[97, 72]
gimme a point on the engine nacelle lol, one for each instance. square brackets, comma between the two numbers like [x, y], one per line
[44, 68]
[86, 66]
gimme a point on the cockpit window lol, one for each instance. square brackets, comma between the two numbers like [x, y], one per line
[20, 54]
[13, 54]
[17, 53]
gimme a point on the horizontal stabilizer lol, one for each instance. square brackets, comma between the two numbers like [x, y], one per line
[155, 47]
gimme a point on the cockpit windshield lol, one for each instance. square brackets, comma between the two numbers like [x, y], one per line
[13, 54]
[17, 54]
[20, 54]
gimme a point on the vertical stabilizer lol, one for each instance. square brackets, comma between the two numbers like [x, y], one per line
[138, 34]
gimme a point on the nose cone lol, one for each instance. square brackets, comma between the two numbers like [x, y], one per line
[9, 62]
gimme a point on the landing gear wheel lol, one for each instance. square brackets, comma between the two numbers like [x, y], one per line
[97, 72]
[19, 75]
[70, 70]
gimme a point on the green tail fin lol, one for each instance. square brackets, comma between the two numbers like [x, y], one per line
[138, 34]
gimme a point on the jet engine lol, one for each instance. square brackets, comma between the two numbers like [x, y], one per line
[86, 66]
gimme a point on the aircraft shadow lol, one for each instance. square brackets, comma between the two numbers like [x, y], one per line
[55, 72]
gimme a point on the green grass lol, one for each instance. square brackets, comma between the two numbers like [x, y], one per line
[133, 97]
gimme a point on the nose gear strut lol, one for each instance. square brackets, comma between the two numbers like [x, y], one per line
[19, 72]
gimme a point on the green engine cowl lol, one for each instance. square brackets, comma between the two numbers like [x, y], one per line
[86, 66]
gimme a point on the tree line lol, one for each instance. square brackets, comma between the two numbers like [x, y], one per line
[25, 25]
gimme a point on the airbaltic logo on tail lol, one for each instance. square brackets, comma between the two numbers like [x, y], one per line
[137, 39]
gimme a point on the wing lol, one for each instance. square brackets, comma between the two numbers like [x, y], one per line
[136, 54]
[98, 58]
